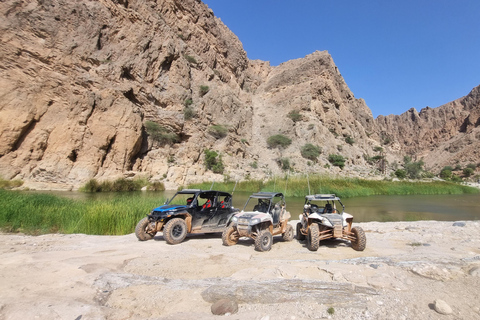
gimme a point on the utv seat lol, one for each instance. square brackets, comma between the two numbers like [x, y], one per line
[276, 214]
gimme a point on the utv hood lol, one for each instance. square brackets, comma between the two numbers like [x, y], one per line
[165, 208]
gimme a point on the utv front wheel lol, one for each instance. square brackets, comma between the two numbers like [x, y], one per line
[288, 234]
[264, 240]
[313, 238]
[360, 241]
[229, 238]
[175, 231]
[141, 230]
[300, 235]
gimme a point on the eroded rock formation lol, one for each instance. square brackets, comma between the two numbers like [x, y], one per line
[80, 79]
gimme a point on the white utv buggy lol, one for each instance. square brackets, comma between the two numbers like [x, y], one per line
[322, 220]
[263, 216]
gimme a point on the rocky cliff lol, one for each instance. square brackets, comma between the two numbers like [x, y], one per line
[443, 136]
[80, 82]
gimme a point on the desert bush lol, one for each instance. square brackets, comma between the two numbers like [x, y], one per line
[278, 140]
[191, 59]
[10, 184]
[213, 161]
[445, 173]
[400, 174]
[472, 166]
[161, 134]
[337, 160]
[294, 115]
[188, 113]
[467, 172]
[349, 140]
[284, 164]
[310, 152]
[218, 131]
[204, 90]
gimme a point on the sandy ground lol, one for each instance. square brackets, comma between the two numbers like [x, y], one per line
[405, 268]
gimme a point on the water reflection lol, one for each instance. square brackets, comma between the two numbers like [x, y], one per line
[364, 209]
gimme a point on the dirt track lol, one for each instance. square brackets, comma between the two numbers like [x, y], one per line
[405, 268]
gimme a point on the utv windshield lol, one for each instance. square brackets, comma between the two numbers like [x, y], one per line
[263, 203]
[181, 199]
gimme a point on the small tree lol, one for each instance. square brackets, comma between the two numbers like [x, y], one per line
[310, 152]
[213, 161]
[446, 173]
[400, 174]
[278, 140]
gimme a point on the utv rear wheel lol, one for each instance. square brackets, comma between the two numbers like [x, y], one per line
[300, 235]
[175, 231]
[229, 236]
[288, 234]
[141, 230]
[313, 238]
[360, 241]
[264, 240]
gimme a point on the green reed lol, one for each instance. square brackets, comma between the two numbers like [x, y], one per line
[299, 186]
[33, 213]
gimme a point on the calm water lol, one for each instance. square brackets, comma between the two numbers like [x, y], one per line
[363, 209]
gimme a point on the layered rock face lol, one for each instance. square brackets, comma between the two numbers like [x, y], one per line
[79, 81]
[447, 135]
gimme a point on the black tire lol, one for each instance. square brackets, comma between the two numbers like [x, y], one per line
[360, 241]
[288, 234]
[175, 231]
[300, 235]
[228, 236]
[264, 240]
[141, 230]
[313, 237]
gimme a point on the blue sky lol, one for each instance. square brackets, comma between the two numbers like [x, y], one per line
[394, 54]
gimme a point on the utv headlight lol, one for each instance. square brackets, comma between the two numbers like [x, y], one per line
[254, 221]
[234, 219]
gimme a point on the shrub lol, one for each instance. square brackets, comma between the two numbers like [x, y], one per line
[213, 161]
[294, 115]
[284, 163]
[254, 164]
[446, 173]
[119, 185]
[10, 184]
[337, 160]
[156, 186]
[188, 113]
[467, 172]
[400, 174]
[218, 131]
[188, 102]
[161, 134]
[191, 59]
[278, 140]
[349, 140]
[378, 149]
[311, 152]
[472, 166]
[204, 90]
[414, 169]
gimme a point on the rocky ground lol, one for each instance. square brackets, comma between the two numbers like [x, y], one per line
[409, 270]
